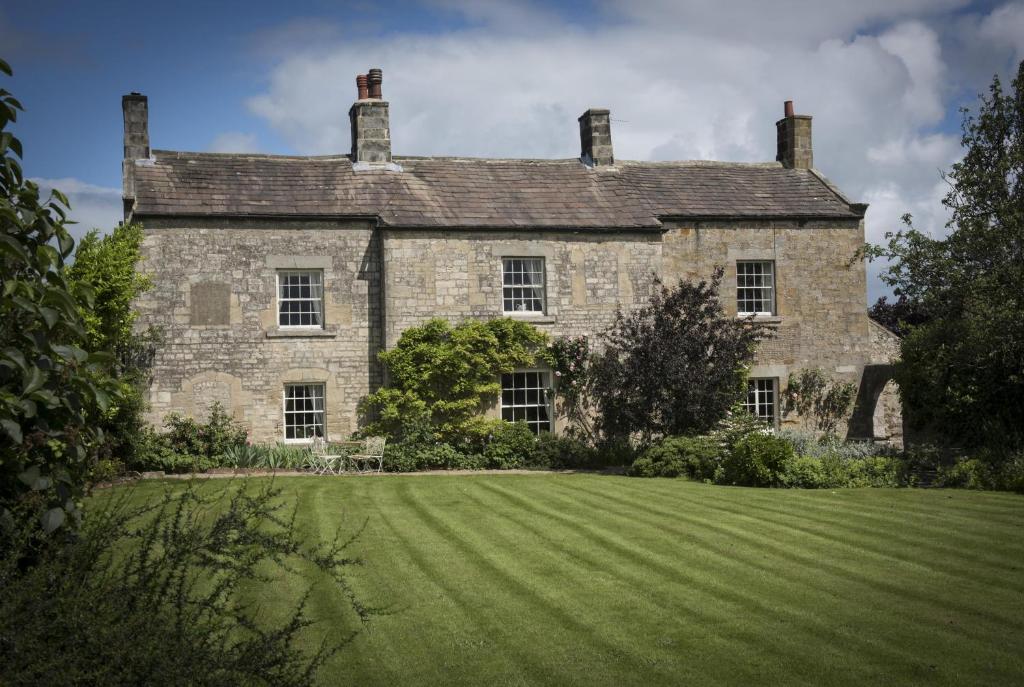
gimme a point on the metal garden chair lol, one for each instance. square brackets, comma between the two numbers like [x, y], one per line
[321, 461]
[371, 458]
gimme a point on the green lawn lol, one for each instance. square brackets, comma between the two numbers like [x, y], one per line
[598, 580]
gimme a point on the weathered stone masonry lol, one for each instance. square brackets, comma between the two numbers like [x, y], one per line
[400, 240]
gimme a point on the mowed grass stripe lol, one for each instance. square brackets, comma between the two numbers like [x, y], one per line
[524, 600]
[707, 575]
[634, 597]
[901, 541]
[806, 567]
[595, 580]
[707, 621]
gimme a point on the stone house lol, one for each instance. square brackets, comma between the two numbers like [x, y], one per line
[279, 279]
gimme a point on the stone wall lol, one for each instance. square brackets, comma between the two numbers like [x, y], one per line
[821, 316]
[458, 275]
[214, 297]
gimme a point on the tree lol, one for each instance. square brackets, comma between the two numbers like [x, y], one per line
[106, 265]
[50, 382]
[961, 371]
[673, 367]
[446, 375]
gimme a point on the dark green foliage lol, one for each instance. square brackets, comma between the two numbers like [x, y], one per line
[899, 317]
[51, 384]
[448, 375]
[757, 460]
[558, 452]
[148, 595]
[189, 445]
[961, 371]
[673, 367]
[408, 457]
[693, 457]
[985, 472]
[819, 401]
[571, 363]
[512, 445]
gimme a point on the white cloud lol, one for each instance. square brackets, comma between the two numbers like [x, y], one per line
[1005, 27]
[700, 79]
[234, 142]
[92, 207]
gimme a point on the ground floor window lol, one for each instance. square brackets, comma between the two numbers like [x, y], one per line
[761, 399]
[525, 397]
[303, 411]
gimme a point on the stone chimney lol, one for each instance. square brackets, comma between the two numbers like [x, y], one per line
[794, 140]
[596, 138]
[371, 132]
[135, 107]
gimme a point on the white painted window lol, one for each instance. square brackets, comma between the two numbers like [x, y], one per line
[300, 298]
[761, 399]
[525, 397]
[303, 411]
[755, 287]
[523, 285]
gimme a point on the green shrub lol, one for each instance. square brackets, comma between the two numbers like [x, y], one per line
[757, 460]
[147, 596]
[449, 374]
[513, 445]
[984, 472]
[408, 457]
[558, 452]
[693, 457]
[807, 472]
[875, 471]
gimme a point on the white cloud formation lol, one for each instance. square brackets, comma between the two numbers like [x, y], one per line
[699, 79]
[92, 207]
[234, 142]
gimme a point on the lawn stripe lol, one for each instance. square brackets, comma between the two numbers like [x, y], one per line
[972, 554]
[538, 600]
[420, 547]
[793, 551]
[655, 562]
[633, 572]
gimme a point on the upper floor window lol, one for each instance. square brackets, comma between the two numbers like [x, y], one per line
[522, 285]
[525, 398]
[300, 298]
[760, 400]
[755, 287]
[303, 411]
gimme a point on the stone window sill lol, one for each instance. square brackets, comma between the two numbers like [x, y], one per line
[533, 319]
[765, 319]
[299, 333]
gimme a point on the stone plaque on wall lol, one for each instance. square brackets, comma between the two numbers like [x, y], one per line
[211, 303]
[205, 394]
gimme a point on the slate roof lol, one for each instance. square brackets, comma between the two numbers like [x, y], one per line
[480, 193]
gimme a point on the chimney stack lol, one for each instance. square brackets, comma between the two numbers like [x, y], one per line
[596, 138]
[135, 108]
[793, 135]
[371, 132]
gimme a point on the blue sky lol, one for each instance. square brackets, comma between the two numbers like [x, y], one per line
[694, 79]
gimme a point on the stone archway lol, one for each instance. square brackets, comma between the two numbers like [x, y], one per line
[877, 413]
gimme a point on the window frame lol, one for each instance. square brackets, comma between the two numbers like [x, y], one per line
[546, 389]
[278, 300]
[543, 286]
[285, 412]
[754, 408]
[771, 289]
